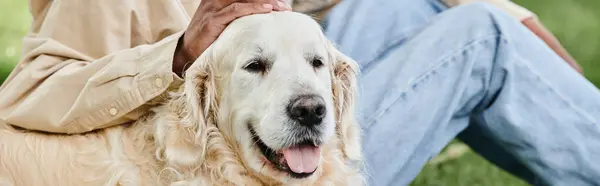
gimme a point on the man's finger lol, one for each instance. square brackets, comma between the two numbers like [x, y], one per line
[281, 6]
[237, 10]
[278, 5]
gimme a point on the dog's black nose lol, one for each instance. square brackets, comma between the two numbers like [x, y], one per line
[308, 110]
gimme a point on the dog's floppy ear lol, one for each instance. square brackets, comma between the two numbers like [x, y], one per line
[184, 137]
[344, 72]
[191, 141]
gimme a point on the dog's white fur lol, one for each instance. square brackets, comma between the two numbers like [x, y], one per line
[199, 136]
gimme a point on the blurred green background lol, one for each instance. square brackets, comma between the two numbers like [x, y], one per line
[575, 22]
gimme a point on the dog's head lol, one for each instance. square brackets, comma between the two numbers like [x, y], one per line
[280, 93]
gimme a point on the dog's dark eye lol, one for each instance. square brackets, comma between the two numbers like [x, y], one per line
[256, 66]
[316, 62]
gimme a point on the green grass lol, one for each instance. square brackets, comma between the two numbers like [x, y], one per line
[575, 22]
[14, 22]
[469, 169]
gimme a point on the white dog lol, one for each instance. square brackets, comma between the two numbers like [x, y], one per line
[269, 103]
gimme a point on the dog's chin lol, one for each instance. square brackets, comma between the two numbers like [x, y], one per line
[277, 158]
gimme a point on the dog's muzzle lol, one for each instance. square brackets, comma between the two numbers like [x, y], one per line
[300, 153]
[299, 160]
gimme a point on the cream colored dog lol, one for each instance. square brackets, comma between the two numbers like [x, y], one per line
[269, 103]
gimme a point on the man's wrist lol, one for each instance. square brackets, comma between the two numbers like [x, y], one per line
[181, 58]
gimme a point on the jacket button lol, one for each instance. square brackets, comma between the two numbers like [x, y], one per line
[158, 82]
[113, 111]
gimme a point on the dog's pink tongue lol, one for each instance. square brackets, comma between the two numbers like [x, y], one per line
[303, 158]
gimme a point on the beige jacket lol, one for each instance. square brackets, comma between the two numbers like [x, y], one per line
[92, 64]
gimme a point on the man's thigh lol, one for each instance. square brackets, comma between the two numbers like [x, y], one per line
[366, 29]
[375, 33]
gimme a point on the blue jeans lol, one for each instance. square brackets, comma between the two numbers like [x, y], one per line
[430, 74]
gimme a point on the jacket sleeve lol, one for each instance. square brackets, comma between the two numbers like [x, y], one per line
[89, 64]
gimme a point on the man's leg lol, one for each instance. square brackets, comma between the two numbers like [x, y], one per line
[365, 28]
[473, 65]
[390, 24]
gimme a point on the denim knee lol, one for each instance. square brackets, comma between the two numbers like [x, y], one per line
[478, 19]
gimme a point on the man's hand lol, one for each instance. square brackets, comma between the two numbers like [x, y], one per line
[209, 21]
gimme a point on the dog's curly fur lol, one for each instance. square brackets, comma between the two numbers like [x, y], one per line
[179, 142]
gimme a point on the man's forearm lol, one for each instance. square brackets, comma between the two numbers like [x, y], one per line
[60, 94]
